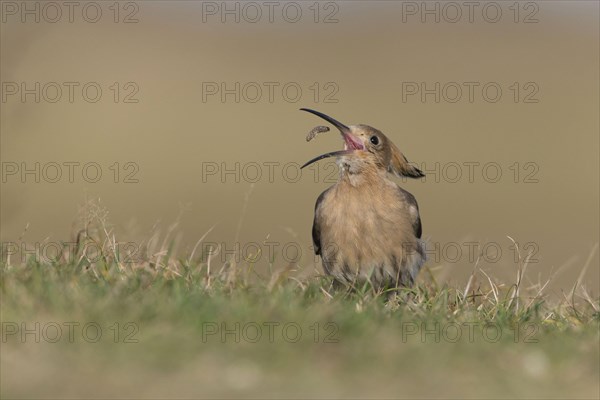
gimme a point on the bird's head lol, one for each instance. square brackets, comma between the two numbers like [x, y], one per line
[364, 147]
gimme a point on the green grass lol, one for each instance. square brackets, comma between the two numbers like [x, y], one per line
[162, 321]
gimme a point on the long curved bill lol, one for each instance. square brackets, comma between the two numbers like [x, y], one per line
[326, 155]
[343, 128]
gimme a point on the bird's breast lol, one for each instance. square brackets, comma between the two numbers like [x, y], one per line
[365, 227]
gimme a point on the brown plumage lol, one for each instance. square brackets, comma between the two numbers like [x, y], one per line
[366, 227]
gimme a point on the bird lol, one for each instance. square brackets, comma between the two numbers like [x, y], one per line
[366, 228]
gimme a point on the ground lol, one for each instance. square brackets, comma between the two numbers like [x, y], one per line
[166, 327]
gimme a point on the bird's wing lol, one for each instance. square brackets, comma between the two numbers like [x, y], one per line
[413, 208]
[316, 229]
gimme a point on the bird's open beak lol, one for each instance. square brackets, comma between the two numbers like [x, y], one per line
[351, 142]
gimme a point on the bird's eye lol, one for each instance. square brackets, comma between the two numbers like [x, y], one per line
[374, 140]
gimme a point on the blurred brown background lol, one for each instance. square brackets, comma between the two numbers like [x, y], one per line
[177, 50]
